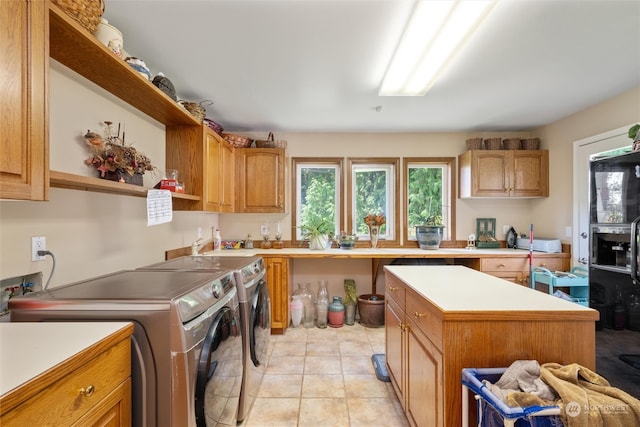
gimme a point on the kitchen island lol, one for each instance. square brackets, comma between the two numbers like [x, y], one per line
[441, 319]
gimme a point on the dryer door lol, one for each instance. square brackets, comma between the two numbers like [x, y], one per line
[219, 372]
[260, 323]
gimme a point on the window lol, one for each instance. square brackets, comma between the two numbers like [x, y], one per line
[429, 188]
[373, 189]
[317, 186]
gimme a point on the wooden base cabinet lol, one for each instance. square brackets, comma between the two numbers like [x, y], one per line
[516, 269]
[81, 391]
[414, 363]
[504, 173]
[278, 278]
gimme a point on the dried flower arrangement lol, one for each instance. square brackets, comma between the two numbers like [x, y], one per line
[115, 160]
[375, 219]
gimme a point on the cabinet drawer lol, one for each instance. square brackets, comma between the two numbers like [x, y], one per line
[64, 401]
[425, 317]
[395, 289]
[519, 264]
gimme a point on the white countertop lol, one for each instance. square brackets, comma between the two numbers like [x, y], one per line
[375, 252]
[458, 288]
[31, 348]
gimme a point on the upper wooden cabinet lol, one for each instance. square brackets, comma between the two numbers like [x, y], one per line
[504, 173]
[205, 162]
[24, 110]
[260, 180]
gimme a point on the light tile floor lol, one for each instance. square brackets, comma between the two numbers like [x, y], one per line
[324, 377]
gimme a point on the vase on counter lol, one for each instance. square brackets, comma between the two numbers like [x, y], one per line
[374, 231]
[336, 313]
[350, 314]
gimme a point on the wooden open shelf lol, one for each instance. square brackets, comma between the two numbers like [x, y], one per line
[73, 46]
[78, 182]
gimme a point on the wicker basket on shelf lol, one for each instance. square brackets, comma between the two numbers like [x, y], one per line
[474, 144]
[271, 142]
[511, 143]
[493, 143]
[531, 144]
[238, 141]
[86, 12]
[196, 109]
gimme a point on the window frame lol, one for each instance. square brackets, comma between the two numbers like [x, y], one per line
[451, 164]
[395, 203]
[337, 162]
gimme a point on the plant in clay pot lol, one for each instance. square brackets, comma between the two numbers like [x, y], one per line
[429, 235]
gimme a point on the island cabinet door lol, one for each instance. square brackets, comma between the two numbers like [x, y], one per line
[394, 347]
[425, 382]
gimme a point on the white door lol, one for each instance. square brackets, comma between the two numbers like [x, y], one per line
[582, 151]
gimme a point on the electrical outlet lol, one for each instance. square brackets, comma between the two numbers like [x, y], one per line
[199, 234]
[505, 229]
[38, 243]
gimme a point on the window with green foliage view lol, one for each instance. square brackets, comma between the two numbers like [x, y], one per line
[428, 196]
[318, 194]
[373, 193]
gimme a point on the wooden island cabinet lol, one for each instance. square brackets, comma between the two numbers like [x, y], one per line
[441, 319]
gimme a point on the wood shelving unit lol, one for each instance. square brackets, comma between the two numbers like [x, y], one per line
[73, 46]
[78, 182]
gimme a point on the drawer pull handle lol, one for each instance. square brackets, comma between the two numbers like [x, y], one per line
[88, 391]
[419, 315]
[392, 289]
[501, 265]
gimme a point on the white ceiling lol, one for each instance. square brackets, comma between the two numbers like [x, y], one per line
[315, 65]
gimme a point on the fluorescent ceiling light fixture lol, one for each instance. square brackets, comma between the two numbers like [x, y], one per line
[436, 31]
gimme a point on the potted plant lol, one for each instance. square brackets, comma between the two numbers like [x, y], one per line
[429, 235]
[317, 231]
[634, 134]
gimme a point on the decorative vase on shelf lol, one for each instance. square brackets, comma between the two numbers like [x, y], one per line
[374, 230]
[350, 314]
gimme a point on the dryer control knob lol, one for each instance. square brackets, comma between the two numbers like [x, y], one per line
[216, 289]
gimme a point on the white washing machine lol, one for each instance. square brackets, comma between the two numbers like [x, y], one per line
[255, 313]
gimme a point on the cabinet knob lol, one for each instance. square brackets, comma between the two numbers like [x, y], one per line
[419, 315]
[87, 391]
[391, 288]
[501, 266]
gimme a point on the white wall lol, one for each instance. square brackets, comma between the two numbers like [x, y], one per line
[93, 233]
[554, 213]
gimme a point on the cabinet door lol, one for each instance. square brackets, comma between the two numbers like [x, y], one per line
[425, 384]
[213, 173]
[24, 78]
[227, 178]
[394, 347]
[278, 281]
[113, 411]
[260, 173]
[484, 173]
[530, 174]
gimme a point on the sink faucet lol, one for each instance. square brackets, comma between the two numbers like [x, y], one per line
[197, 246]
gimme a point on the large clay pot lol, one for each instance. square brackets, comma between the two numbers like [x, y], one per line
[371, 309]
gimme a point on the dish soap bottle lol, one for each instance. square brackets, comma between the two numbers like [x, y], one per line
[217, 240]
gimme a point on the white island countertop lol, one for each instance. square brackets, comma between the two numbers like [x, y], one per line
[456, 289]
[29, 349]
